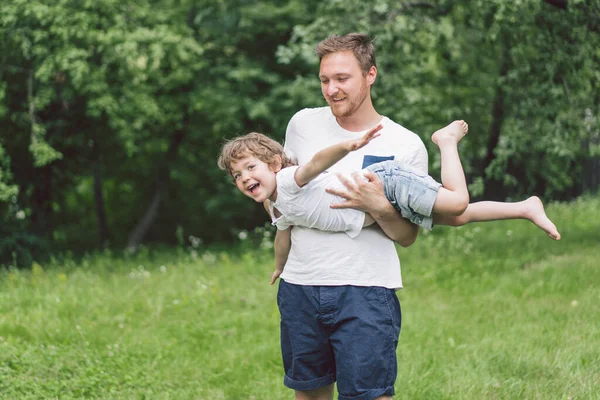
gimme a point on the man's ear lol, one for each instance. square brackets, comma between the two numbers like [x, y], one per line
[371, 75]
[277, 164]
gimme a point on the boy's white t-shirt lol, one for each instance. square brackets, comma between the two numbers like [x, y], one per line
[308, 206]
[333, 258]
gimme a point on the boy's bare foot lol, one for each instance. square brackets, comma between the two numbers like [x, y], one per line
[452, 133]
[534, 211]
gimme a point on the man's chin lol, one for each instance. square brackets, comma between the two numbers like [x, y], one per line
[338, 110]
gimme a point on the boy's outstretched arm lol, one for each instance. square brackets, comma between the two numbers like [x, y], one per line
[282, 245]
[330, 155]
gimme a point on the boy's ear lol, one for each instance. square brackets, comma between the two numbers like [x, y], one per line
[277, 164]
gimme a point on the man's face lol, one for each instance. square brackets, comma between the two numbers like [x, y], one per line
[343, 84]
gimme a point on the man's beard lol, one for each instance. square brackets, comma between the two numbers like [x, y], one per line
[354, 104]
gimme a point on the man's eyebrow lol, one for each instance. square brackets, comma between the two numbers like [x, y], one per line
[338, 74]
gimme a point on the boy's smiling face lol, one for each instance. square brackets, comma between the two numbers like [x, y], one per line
[255, 178]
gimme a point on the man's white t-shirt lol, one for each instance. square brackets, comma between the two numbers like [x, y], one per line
[308, 206]
[333, 258]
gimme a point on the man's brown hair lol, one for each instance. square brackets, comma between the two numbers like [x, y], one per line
[361, 45]
[252, 144]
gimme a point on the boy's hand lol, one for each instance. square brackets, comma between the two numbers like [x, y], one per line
[367, 137]
[275, 275]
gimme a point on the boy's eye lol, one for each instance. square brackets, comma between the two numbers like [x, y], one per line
[236, 177]
[343, 79]
[251, 167]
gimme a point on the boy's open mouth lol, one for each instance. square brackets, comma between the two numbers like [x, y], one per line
[252, 188]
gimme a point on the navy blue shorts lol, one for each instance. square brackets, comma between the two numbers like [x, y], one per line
[347, 334]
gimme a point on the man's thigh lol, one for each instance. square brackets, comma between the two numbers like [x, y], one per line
[308, 359]
[343, 333]
[365, 335]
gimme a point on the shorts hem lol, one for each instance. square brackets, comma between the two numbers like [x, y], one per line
[308, 385]
[370, 395]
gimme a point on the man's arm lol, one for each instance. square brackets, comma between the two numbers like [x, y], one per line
[330, 155]
[368, 196]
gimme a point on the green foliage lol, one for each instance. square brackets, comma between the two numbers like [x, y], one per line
[106, 103]
[456, 60]
[42, 153]
[7, 189]
[19, 249]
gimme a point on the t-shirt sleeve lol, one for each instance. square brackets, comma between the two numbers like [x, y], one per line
[419, 156]
[290, 144]
[286, 184]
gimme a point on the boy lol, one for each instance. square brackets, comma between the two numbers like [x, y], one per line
[296, 196]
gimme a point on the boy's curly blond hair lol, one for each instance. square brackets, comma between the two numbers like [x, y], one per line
[252, 144]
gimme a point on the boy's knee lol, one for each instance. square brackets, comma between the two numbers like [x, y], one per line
[460, 206]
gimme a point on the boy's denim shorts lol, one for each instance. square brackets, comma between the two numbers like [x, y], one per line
[409, 191]
[347, 334]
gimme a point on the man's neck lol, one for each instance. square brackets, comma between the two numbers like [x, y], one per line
[363, 119]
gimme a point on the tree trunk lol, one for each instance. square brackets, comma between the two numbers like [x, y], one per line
[100, 209]
[558, 3]
[162, 181]
[493, 187]
[137, 235]
[42, 199]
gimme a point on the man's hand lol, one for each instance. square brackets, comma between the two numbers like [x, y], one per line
[365, 195]
[368, 196]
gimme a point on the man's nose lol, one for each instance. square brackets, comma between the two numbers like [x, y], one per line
[332, 89]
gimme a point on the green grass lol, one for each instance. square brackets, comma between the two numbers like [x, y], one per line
[490, 311]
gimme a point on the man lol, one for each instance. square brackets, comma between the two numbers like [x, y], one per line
[340, 317]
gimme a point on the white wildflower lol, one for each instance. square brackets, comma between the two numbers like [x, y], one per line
[209, 258]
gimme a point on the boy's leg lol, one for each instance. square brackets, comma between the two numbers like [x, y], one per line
[531, 209]
[453, 197]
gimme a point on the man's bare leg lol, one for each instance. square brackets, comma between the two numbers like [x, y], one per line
[453, 197]
[531, 209]
[324, 393]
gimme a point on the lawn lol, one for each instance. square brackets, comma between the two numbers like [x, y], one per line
[490, 311]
